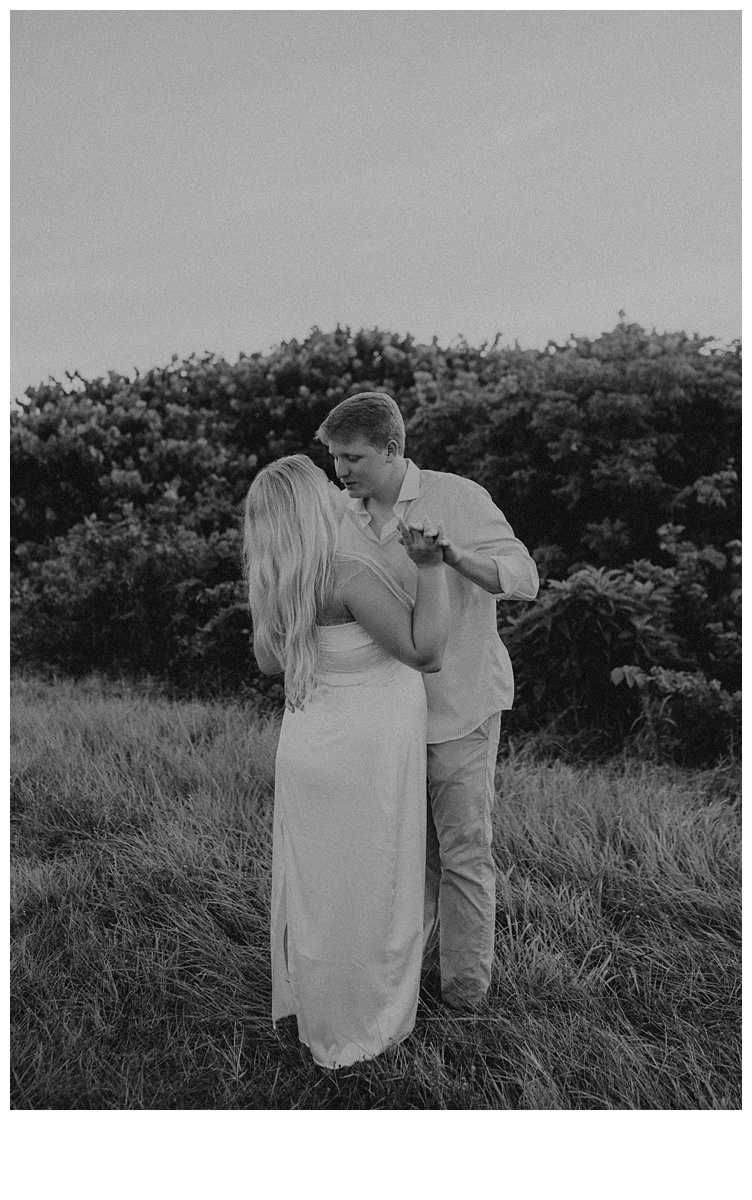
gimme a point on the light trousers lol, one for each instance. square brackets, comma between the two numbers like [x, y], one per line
[460, 894]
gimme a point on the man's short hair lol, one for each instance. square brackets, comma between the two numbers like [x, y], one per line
[373, 416]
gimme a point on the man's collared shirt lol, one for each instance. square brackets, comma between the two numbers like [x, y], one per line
[476, 679]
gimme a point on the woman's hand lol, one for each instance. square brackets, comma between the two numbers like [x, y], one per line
[422, 543]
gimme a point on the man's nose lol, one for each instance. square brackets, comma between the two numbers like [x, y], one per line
[342, 470]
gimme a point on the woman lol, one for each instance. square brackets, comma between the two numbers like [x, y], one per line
[350, 790]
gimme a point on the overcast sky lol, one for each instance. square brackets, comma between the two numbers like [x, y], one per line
[225, 180]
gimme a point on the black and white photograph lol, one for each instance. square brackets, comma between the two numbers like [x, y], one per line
[375, 584]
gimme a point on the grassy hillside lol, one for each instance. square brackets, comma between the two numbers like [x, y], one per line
[141, 838]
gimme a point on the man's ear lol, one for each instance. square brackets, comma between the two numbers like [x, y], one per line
[392, 450]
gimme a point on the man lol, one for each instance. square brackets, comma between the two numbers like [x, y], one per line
[365, 435]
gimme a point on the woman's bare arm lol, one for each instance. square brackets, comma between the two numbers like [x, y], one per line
[417, 639]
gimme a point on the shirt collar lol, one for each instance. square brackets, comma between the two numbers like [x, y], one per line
[409, 490]
[410, 484]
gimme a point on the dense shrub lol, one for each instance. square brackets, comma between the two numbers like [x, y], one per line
[589, 447]
[565, 646]
[683, 715]
[616, 461]
[706, 591]
[134, 596]
[678, 621]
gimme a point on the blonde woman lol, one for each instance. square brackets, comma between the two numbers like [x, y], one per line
[350, 790]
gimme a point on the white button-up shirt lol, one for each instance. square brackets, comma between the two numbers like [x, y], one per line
[476, 679]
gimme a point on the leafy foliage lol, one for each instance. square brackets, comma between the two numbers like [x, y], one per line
[567, 644]
[616, 460]
[684, 715]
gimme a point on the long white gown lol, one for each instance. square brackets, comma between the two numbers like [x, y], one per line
[349, 851]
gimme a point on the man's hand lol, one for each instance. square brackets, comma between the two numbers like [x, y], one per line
[478, 568]
[448, 549]
[438, 538]
[421, 543]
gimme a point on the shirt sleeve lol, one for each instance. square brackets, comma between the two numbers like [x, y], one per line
[479, 527]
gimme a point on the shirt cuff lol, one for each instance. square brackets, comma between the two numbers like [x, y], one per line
[518, 581]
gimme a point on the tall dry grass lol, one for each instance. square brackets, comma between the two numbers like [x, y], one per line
[141, 838]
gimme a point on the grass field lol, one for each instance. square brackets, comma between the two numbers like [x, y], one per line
[141, 841]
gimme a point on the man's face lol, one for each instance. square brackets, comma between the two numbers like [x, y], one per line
[360, 466]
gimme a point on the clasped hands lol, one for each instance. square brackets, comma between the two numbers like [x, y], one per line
[426, 544]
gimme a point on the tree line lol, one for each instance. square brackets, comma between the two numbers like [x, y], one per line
[616, 460]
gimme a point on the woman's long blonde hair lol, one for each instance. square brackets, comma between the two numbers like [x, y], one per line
[288, 550]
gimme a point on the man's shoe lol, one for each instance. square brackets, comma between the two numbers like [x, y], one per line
[462, 1002]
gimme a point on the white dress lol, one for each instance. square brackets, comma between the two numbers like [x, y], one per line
[349, 850]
